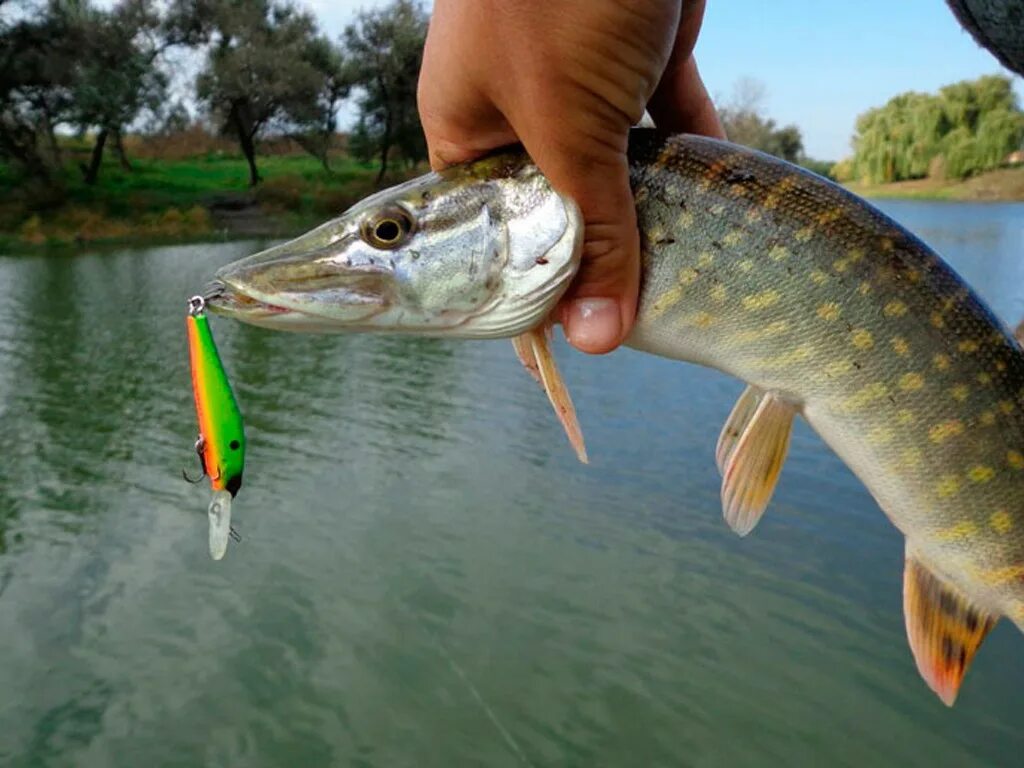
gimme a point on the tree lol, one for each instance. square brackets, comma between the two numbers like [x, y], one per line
[743, 119]
[265, 63]
[37, 76]
[117, 76]
[312, 123]
[385, 50]
[968, 127]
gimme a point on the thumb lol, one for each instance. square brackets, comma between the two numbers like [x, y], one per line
[598, 310]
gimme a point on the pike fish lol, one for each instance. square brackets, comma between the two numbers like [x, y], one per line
[824, 306]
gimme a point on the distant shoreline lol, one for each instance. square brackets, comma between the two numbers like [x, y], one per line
[1005, 185]
[204, 199]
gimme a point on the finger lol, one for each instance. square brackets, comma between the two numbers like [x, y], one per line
[681, 102]
[598, 311]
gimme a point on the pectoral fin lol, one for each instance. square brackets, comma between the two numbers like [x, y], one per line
[735, 425]
[752, 467]
[944, 629]
[534, 351]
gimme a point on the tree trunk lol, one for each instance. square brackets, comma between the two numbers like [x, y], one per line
[385, 147]
[122, 156]
[92, 171]
[245, 140]
[56, 158]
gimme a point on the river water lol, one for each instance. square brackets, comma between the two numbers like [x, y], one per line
[427, 577]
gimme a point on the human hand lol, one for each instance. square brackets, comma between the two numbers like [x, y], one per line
[568, 78]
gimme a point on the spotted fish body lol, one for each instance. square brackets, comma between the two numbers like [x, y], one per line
[823, 305]
[792, 284]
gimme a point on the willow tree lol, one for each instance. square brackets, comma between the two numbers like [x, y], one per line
[966, 128]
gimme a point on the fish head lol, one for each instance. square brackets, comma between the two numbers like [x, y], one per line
[480, 250]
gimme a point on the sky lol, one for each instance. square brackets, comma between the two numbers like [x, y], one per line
[822, 63]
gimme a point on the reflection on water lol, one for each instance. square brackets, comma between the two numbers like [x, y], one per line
[427, 577]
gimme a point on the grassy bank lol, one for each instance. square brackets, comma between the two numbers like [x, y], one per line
[189, 198]
[1005, 184]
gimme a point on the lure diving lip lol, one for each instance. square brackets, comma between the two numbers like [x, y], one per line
[221, 441]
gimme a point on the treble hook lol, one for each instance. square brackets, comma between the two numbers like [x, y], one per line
[199, 446]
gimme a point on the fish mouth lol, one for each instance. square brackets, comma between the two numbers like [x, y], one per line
[227, 300]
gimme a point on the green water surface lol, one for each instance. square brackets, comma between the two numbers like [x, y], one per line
[427, 576]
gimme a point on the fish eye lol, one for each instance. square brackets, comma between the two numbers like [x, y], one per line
[234, 445]
[387, 229]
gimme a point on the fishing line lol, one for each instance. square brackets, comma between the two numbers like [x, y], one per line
[502, 730]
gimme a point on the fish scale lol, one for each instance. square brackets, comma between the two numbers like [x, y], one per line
[909, 419]
[826, 307]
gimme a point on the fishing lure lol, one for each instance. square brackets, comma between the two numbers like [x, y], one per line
[221, 441]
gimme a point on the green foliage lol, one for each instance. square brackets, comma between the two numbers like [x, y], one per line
[385, 49]
[267, 66]
[968, 127]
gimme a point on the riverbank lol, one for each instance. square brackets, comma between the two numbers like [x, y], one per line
[1002, 185]
[207, 197]
[188, 199]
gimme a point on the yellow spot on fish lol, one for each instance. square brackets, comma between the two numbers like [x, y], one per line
[746, 265]
[886, 244]
[881, 435]
[779, 191]
[937, 320]
[960, 392]
[734, 238]
[779, 253]
[865, 396]
[1001, 521]
[1003, 575]
[1000, 365]
[818, 277]
[968, 346]
[702, 320]
[862, 339]
[958, 532]
[895, 309]
[988, 418]
[905, 416]
[944, 431]
[795, 355]
[864, 288]
[1006, 406]
[900, 346]
[667, 299]
[828, 311]
[1015, 459]
[838, 367]
[687, 275]
[705, 259]
[804, 234]
[754, 215]
[772, 329]
[949, 485]
[685, 220]
[984, 378]
[911, 457]
[840, 265]
[911, 382]
[718, 293]
[830, 215]
[855, 255]
[941, 362]
[981, 474]
[718, 209]
[912, 275]
[761, 300]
